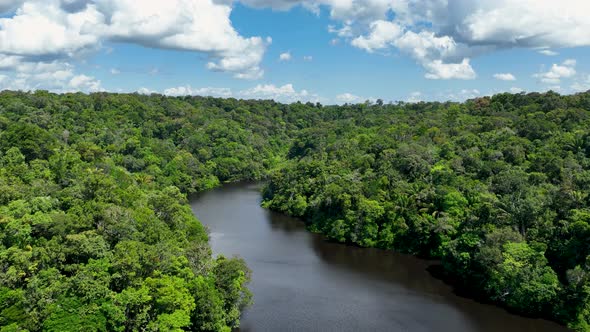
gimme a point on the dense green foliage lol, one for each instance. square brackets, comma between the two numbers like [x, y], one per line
[96, 232]
[497, 188]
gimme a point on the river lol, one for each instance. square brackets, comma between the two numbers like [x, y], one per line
[303, 283]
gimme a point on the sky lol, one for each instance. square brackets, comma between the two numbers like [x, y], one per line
[328, 51]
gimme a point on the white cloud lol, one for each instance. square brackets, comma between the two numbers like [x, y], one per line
[358, 10]
[440, 35]
[84, 83]
[581, 85]
[382, 35]
[9, 62]
[415, 97]
[505, 77]
[570, 62]
[462, 95]
[286, 56]
[348, 98]
[145, 91]
[307, 58]
[199, 25]
[115, 71]
[454, 30]
[60, 29]
[558, 72]
[459, 95]
[345, 31]
[524, 23]
[516, 90]
[471, 92]
[538, 24]
[57, 76]
[548, 52]
[425, 47]
[274, 4]
[189, 91]
[285, 93]
[438, 70]
[44, 29]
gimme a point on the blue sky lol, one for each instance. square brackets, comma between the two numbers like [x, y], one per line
[333, 51]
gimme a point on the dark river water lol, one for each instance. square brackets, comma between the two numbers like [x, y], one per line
[303, 283]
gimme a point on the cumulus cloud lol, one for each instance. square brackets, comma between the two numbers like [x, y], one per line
[570, 62]
[45, 30]
[84, 83]
[145, 91]
[383, 34]
[581, 85]
[277, 4]
[437, 70]
[8, 62]
[286, 56]
[556, 88]
[505, 77]
[524, 23]
[557, 72]
[285, 93]
[431, 51]
[458, 95]
[451, 31]
[343, 31]
[462, 95]
[189, 91]
[440, 35]
[415, 97]
[516, 90]
[348, 98]
[548, 52]
[350, 11]
[200, 26]
[56, 76]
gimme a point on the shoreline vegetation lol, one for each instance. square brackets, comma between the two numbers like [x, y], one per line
[96, 232]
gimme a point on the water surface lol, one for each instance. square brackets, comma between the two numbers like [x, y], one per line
[303, 283]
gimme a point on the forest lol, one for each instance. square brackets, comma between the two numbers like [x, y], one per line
[96, 232]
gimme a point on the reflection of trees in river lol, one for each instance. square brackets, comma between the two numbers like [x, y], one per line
[284, 223]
